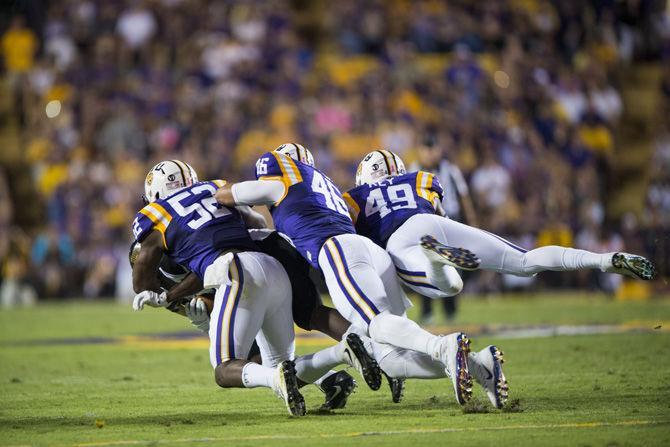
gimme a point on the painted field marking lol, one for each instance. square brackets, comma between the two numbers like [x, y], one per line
[419, 431]
[196, 340]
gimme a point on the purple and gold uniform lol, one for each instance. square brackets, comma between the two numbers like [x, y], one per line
[195, 228]
[381, 208]
[312, 209]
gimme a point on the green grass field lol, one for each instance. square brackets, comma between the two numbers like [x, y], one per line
[606, 389]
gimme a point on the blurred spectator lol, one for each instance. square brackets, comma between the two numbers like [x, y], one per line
[19, 45]
[523, 96]
[136, 26]
[53, 256]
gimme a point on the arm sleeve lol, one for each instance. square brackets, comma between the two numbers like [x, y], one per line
[275, 166]
[428, 187]
[436, 187]
[258, 192]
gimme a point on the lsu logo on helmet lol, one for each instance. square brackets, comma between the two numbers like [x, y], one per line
[379, 165]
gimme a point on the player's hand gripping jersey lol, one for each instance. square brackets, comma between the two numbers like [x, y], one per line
[381, 208]
[312, 209]
[195, 228]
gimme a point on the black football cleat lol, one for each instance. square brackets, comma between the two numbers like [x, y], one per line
[362, 360]
[337, 387]
[397, 388]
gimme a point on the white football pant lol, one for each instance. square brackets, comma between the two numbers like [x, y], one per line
[365, 289]
[495, 253]
[255, 305]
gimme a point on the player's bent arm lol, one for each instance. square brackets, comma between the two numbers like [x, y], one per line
[255, 192]
[187, 287]
[146, 265]
[253, 219]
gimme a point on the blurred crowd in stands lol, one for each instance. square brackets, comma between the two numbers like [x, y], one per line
[522, 95]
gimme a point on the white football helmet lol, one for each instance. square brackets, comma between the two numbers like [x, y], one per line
[166, 178]
[297, 152]
[378, 165]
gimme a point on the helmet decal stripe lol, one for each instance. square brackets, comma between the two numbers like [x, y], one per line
[388, 166]
[389, 156]
[181, 170]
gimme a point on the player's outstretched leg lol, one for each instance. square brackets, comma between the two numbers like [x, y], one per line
[350, 351]
[502, 256]
[404, 363]
[486, 367]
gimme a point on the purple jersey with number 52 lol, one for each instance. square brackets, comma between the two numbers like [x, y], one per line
[195, 228]
[381, 208]
[312, 209]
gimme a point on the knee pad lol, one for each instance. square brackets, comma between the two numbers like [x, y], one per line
[378, 325]
[454, 287]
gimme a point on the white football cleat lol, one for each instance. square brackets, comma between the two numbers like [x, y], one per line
[454, 352]
[286, 388]
[486, 367]
[633, 266]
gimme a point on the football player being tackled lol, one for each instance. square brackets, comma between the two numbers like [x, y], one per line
[252, 300]
[309, 313]
[360, 276]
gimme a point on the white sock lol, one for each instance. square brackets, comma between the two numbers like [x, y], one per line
[405, 364]
[255, 375]
[557, 258]
[403, 333]
[311, 367]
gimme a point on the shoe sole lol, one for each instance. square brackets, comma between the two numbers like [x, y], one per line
[372, 373]
[637, 265]
[295, 403]
[502, 389]
[460, 258]
[463, 378]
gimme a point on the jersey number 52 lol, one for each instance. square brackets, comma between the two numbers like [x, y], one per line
[202, 211]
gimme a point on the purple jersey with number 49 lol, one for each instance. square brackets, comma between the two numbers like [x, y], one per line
[195, 228]
[312, 209]
[381, 208]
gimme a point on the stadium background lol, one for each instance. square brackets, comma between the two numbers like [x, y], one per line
[556, 112]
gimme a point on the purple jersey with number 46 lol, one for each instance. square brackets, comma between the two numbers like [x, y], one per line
[312, 209]
[195, 228]
[381, 208]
